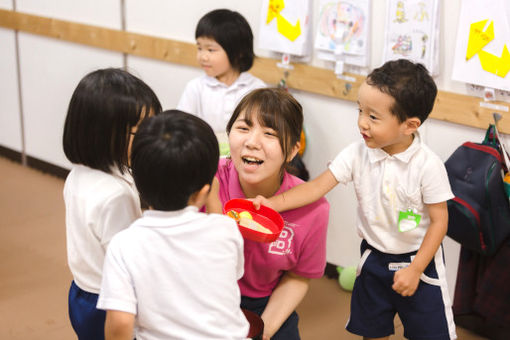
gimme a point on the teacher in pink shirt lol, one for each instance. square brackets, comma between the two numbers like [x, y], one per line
[263, 135]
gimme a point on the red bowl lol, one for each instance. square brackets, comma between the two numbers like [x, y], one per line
[267, 217]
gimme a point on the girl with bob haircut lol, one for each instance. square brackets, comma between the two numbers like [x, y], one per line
[100, 197]
[264, 134]
[225, 53]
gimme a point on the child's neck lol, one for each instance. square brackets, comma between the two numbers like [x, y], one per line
[229, 77]
[399, 147]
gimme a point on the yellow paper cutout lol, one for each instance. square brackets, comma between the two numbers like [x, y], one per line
[285, 28]
[494, 64]
[478, 38]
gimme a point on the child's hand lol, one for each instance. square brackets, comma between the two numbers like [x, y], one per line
[261, 200]
[406, 280]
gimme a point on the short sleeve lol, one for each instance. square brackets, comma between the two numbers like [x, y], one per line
[240, 258]
[435, 184]
[116, 215]
[117, 292]
[258, 84]
[189, 99]
[341, 167]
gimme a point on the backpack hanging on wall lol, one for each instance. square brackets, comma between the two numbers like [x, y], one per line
[479, 214]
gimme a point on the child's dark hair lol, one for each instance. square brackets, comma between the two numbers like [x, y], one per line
[276, 109]
[174, 154]
[104, 107]
[410, 84]
[231, 30]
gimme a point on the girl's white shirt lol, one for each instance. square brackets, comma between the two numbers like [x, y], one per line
[214, 101]
[98, 205]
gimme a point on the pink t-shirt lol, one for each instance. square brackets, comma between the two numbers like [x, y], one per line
[301, 247]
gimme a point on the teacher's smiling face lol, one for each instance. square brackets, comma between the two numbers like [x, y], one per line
[257, 155]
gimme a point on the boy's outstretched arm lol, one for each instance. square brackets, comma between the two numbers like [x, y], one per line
[406, 280]
[300, 195]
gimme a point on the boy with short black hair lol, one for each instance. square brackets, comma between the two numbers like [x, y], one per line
[402, 188]
[173, 273]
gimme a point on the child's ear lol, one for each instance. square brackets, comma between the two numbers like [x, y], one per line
[294, 152]
[200, 197]
[411, 125]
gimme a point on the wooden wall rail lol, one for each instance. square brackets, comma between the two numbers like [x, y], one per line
[451, 107]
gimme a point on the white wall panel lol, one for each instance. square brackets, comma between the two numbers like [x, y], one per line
[10, 126]
[50, 72]
[6, 4]
[51, 69]
[166, 79]
[330, 126]
[177, 19]
[104, 13]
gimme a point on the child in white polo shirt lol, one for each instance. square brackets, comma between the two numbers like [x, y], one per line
[402, 188]
[173, 273]
[225, 53]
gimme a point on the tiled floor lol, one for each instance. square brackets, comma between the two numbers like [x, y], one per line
[34, 277]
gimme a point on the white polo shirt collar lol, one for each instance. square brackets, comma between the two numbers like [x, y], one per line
[377, 154]
[126, 176]
[243, 79]
[158, 218]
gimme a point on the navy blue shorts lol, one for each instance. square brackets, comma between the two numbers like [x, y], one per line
[289, 329]
[427, 315]
[86, 319]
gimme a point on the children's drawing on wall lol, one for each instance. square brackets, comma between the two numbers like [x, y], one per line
[412, 32]
[343, 31]
[421, 14]
[482, 56]
[400, 13]
[285, 27]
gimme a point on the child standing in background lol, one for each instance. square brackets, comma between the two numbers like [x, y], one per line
[402, 188]
[100, 198]
[173, 273]
[225, 52]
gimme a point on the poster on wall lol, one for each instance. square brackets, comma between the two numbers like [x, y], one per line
[482, 54]
[285, 27]
[343, 31]
[412, 32]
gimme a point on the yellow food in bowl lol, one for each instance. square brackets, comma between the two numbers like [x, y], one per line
[245, 214]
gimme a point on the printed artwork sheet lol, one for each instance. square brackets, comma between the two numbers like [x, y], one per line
[285, 26]
[412, 32]
[343, 31]
[482, 54]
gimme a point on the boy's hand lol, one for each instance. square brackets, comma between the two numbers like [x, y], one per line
[406, 280]
[261, 200]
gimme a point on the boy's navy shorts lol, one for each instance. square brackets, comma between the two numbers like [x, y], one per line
[427, 315]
